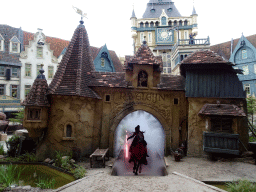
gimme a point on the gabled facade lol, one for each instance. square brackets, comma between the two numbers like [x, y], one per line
[11, 43]
[168, 33]
[37, 54]
[242, 52]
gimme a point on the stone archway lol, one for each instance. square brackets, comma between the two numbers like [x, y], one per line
[122, 114]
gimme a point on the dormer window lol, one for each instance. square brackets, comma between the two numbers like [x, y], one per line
[102, 62]
[142, 79]
[152, 10]
[169, 10]
[1, 43]
[163, 20]
[14, 45]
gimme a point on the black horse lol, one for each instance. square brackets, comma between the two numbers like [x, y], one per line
[138, 156]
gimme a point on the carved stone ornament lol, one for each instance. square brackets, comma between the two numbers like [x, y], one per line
[23, 55]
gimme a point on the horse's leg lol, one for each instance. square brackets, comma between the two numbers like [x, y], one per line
[134, 167]
[140, 167]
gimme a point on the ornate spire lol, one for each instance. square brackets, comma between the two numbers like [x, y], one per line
[194, 11]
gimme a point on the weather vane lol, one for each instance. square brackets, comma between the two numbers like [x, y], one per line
[80, 12]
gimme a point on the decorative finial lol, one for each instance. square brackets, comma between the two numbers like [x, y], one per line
[80, 12]
[41, 71]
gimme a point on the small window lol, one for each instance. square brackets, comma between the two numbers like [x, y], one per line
[34, 114]
[107, 98]
[2, 89]
[15, 72]
[102, 62]
[176, 101]
[245, 70]
[28, 70]
[152, 10]
[14, 91]
[38, 67]
[2, 71]
[141, 25]
[50, 72]
[151, 24]
[244, 54]
[170, 23]
[68, 130]
[39, 52]
[150, 37]
[27, 89]
[1, 43]
[14, 45]
[163, 20]
[221, 124]
[247, 89]
[142, 79]
[169, 9]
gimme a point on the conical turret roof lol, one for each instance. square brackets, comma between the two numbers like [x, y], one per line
[75, 70]
[37, 95]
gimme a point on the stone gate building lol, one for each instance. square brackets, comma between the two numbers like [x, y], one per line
[82, 108]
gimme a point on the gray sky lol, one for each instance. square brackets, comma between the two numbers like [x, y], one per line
[109, 21]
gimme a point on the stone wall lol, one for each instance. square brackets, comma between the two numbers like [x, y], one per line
[197, 123]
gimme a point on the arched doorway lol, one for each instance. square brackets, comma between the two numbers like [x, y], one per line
[154, 132]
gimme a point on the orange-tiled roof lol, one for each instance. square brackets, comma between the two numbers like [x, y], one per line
[224, 49]
[57, 45]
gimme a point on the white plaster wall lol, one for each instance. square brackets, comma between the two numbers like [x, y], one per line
[29, 56]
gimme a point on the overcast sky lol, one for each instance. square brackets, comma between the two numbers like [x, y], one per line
[109, 20]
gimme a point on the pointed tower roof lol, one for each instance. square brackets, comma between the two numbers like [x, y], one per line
[133, 14]
[194, 11]
[155, 7]
[75, 70]
[144, 56]
[37, 95]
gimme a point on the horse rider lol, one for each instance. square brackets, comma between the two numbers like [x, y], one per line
[138, 136]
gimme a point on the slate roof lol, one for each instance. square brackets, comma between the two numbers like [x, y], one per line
[75, 70]
[37, 95]
[8, 32]
[143, 56]
[222, 110]
[224, 49]
[58, 46]
[159, 6]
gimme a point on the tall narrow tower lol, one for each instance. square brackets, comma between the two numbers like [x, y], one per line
[167, 33]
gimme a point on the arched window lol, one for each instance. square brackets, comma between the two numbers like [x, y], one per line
[163, 20]
[185, 22]
[68, 130]
[141, 25]
[146, 24]
[181, 57]
[1, 43]
[151, 24]
[180, 23]
[157, 23]
[170, 23]
[175, 23]
[142, 79]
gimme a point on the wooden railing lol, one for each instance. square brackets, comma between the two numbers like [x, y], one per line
[221, 143]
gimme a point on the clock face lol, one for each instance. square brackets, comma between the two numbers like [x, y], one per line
[164, 35]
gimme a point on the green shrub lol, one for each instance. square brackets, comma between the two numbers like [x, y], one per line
[79, 172]
[241, 186]
[28, 157]
[1, 149]
[13, 145]
[9, 175]
[45, 183]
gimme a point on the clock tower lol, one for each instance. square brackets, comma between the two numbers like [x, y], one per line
[168, 33]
